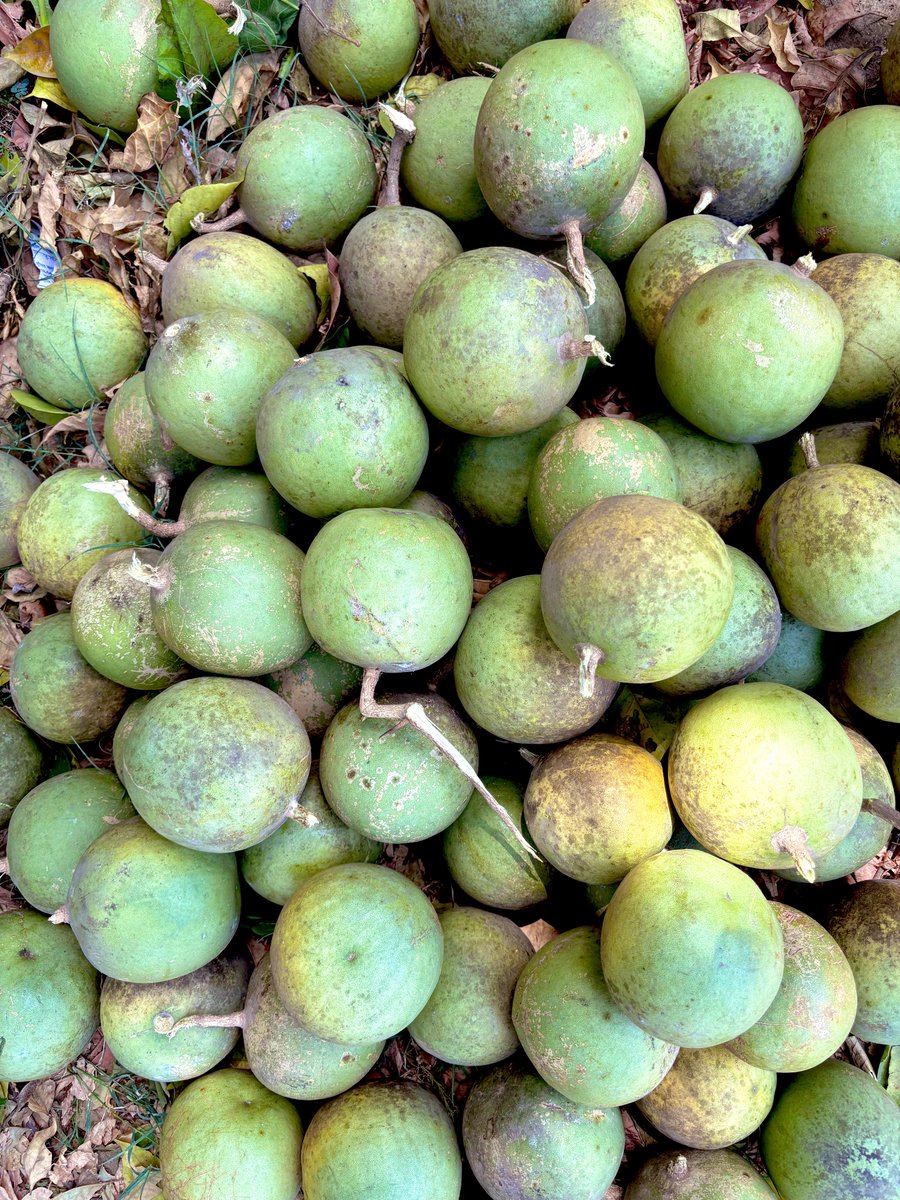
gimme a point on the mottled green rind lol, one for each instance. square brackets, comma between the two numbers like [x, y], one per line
[697, 1175]
[213, 764]
[870, 672]
[644, 579]
[755, 760]
[513, 680]
[124, 727]
[486, 861]
[606, 315]
[576, 1037]
[113, 626]
[65, 529]
[798, 658]
[231, 494]
[205, 379]
[21, 763]
[546, 156]
[849, 442]
[17, 485]
[134, 441]
[467, 1018]
[78, 338]
[749, 350]
[486, 339]
[287, 1058]
[829, 540]
[473, 32]
[218, 270]
[227, 1136]
[387, 588]
[310, 175]
[381, 1141]
[341, 429]
[523, 1139]
[646, 38]
[145, 910]
[128, 1010]
[105, 56]
[55, 692]
[710, 1099]
[833, 1133]
[358, 48]
[356, 953]
[598, 457]
[315, 687]
[641, 213]
[865, 923]
[847, 198]
[691, 949]
[53, 826]
[890, 66]
[597, 806]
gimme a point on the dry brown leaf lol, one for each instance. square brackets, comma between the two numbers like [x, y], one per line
[156, 132]
[828, 16]
[10, 374]
[539, 933]
[782, 42]
[49, 203]
[21, 585]
[37, 1159]
[241, 86]
[10, 638]
[89, 419]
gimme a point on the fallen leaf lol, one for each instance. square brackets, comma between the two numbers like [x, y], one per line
[10, 73]
[10, 637]
[49, 202]
[318, 275]
[20, 584]
[230, 100]
[718, 23]
[36, 407]
[135, 1159]
[37, 1159]
[828, 16]
[539, 933]
[90, 419]
[49, 89]
[33, 53]
[782, 43]
[300, 81]
[207, 198]
[148, 145]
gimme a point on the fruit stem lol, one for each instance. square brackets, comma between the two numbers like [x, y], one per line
[118, 489]
[705, 199]
[808, 446]
[588, 347]
[792, 840]
[162, 491]
[735, 238]
[404, 132]
[575, 263]
[678, 1169]
[238, 217]
[877, 809]
[805, 266]
[165, 1023]
[296, 812]
[589, 659]
[413, 712]
[60, 917]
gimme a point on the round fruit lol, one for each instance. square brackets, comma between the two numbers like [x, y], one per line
[17, 485]
[870, 672]
[641, 213]
[797, 660]
[316, 686]
[135, 444]
[471, 33]
[849, 442]
[697, 1175]
[21, 763]
[230, 494]
[124, 727]
[357, 48]
[890, 66]
[865, 923]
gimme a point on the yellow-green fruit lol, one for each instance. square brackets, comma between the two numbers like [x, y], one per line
[471, 33]
[135, 443]
[17, 485]
[870, 672]
[597, 806]
[865, 923]
[697, 1175]
[710, 1099]
[848, 442]
[641, 213]
[890, 66]
[21, 763]
[797, 660]
[316, 686]
[358, 48]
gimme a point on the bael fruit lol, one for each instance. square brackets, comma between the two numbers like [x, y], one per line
[21, 763]
[230, 494]
[869, 672]
[605, 313]
[890, 66]
[865, 923]
[848, 442]
[797, 659]
[316, 686]
[17, 485]
[357, 48]
[641, 213]
[697, 1175]
[471, 33]
[136, 446]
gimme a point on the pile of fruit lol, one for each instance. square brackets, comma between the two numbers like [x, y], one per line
[673, 747]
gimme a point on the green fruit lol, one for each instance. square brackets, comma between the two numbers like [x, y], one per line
[357, 48]
[315, 687]
[49, 999]
[78, 338]
[356, 953]
[577, 1038]
[66, 528]
[849, 442]
[124, 728]
[113, 626]
[21, 763]
[814, 1009]
[199, 592]
[379, 1142]
[106, 57]
[833, 1133]
[829, 540]
[494, 342]
[55, 692]
[764, 776]
[597, 806]
[675, 257]
[646, 38]
[467, 1018]
[386, 588]
[52, 827]
[227, 1137]
[641, 213]
[738, 134]
[697, 1175]
[134, 441]
[341, 430]
[748, 637]
[889, 439]
[749, 350]
[840, 205]
[710, 1099]
[606, 313]
[215, 269]
[870, 672]
[645, 581]
[486, 861]
[797, 660]
[865, 923]
[691, 949]
[524, 1141]
[309, 176]
[547, 158]
[471, 33]
[145, 910]
[230, 494]
[438, 166]
[393, 784]
[511, 677]
[490, 475]
[385, 257]
[216, 764]
[890, 66]
[598, 457]
[720, 480]
[129, 1011]
[17, 486]
[205, 379]
[286, 1057]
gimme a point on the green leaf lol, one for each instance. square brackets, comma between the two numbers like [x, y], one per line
[103, 133]
[203, 199]
[40, 409]
[194, 32]
[268, 24]
[317, 274]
